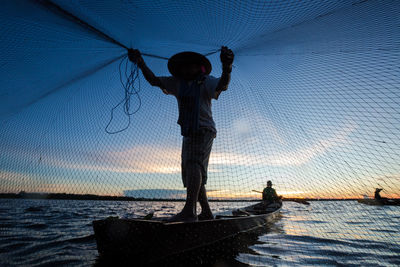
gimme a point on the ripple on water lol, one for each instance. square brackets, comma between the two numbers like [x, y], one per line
[357, 222]
[5, 248]
[83, 239]
[37, 226]
[385, 230]
[310, 221]
[35, 209]
[6, 225]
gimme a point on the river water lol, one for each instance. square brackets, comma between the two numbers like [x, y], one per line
[326, 233]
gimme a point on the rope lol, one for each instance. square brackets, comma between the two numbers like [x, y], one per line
[211, 53]
[131, 75]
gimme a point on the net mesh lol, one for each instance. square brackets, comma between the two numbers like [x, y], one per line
[313, 105]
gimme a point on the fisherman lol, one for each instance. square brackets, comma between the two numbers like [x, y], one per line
[269, 194]
[377, 193]
[193, 88]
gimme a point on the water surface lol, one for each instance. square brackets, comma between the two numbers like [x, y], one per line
[329, 233]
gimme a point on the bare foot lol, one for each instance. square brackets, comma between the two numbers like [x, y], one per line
[181, 217]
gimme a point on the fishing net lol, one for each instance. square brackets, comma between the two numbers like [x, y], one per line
[313, 104]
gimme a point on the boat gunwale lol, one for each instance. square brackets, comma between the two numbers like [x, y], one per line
[159, 221]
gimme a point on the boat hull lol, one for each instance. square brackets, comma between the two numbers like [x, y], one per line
[383, 202]
[154, 240]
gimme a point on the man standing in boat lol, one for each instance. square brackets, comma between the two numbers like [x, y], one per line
[193, 88]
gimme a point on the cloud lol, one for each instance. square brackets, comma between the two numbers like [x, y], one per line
[255, 130]
[138, 159]
[285, 158]
[241, 126]
[14, 181]
[389, 177]
[11, 178]
[161, 159]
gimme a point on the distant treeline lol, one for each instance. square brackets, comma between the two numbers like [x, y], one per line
[25, 195]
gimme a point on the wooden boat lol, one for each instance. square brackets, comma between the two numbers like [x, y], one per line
[380, 202]
[154, 240]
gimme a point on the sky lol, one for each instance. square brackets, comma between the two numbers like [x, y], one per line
[313, 104]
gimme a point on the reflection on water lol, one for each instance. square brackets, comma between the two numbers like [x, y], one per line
[59, 232]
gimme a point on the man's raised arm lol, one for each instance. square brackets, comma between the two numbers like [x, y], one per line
[226, 57]
[136, 57]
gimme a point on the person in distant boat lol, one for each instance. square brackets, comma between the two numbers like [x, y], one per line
[269, 194]
[193, 88]
[377, 194]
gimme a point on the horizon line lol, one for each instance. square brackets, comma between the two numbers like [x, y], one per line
[71, 196]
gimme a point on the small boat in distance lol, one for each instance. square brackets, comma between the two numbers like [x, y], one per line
[380, 202]
[154, 240]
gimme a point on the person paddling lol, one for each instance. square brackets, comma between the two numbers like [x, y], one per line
[378, 196]
[269, 194]
[193, 88]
